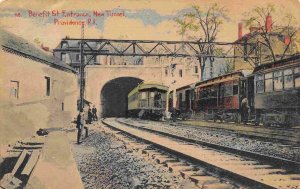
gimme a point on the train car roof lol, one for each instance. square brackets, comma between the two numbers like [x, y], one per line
[219, 79]
[226, 77]
[192, 85]
[149, 85]
[278, 63]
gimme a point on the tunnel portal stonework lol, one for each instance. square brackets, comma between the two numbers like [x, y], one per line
[107, 86]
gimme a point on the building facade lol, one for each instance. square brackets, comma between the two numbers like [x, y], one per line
[278, 42]
[35, 92]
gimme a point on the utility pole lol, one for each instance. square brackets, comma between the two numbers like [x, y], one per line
[81, 71]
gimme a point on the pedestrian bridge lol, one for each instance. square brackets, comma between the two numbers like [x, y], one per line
[107, 86]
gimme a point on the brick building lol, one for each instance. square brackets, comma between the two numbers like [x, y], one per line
[279, 41]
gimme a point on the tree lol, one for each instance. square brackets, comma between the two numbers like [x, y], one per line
[228, 67]
[270, 29]
[203, 26]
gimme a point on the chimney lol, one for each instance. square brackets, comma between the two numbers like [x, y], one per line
[240, 30]
[287, 40]
[269, 23]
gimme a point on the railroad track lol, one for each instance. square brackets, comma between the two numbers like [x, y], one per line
[283, 135]
[286, 136]
[252, 170]
[200, 176]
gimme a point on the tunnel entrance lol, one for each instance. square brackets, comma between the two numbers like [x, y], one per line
[114, 96]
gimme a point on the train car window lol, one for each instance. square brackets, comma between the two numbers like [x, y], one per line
[64, 44]
[143, 95]
[235, 89]
[288, 79]
[228, 90]
[278, 81]
[259, 83]
[297, 77]
[222, 89]
[213, 92]
[180, 97]
[268, 82]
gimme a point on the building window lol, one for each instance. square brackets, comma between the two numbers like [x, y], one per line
[62, 106]
[14, 89]
[180, 73]
[166, 71]
[288, 79]
[47, 86]
[278, 81]
[269, 82]
[196, 69]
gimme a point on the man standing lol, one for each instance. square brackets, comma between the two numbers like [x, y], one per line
[244, 109]
[94, 111]
[79, 125]
[90, 116]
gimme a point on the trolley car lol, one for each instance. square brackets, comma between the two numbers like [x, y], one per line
[272, 91]
[147, 101]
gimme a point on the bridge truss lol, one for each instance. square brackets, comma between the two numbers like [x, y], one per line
[147, 48]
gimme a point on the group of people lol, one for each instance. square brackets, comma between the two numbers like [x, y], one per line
[81, 121]
[92, 115]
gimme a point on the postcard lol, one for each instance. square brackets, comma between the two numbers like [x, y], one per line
[149, 94]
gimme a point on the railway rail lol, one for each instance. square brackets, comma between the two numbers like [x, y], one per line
[252, 169]
[232, 139]
[284, 135]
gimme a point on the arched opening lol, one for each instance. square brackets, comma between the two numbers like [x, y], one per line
[114, 96]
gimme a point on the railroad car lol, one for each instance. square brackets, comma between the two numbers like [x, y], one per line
[216, 98]
[272, 90]
[277, 92]
[147, 101]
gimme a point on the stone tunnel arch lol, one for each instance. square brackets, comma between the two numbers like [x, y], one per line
[113, 96]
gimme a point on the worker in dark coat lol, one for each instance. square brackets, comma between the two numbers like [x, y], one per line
[244, 109]
[94, 111]
[90, 116]
[173, 114]
[79, 125]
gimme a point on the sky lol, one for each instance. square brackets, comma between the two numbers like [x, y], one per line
[138, 19]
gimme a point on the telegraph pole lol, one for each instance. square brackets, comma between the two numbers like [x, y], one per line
[81, 71]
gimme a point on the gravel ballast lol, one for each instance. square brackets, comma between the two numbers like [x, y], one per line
[228, 139]
[105, 162]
